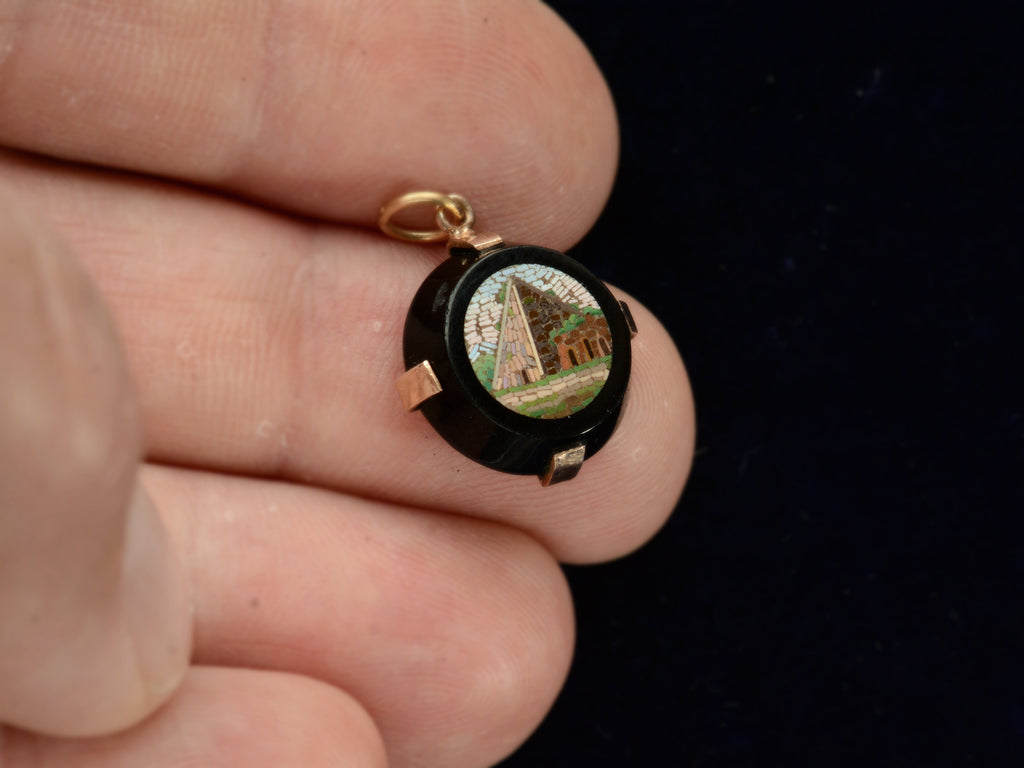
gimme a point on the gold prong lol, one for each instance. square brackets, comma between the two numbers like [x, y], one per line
[475, 243]
[417, 384]
[629, 319]
[563, 465]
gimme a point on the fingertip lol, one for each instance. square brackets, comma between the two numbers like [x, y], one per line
[326, 109]
[659, 431]
[635, 483]
[553, 142]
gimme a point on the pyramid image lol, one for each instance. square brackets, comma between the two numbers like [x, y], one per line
[541, 335]
[524, 355]
[538, 341]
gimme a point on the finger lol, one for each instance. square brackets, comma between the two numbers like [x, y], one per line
[323, 107]
[224, 717]
[270, 347]
[94, 618]
[455, 634]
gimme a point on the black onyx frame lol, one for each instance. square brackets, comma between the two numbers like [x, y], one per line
[464, 412]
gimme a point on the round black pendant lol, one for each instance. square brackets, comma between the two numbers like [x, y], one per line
[531, 351]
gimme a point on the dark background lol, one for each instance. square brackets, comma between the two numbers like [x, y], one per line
[823, 203]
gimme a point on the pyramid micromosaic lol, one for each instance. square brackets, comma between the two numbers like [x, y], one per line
[538, 341]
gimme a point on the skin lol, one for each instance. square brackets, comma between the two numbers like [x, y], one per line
[222, 540]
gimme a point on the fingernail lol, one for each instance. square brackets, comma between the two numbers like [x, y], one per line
[158, 612]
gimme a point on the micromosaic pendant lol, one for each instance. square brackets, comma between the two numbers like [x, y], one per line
[516, 354]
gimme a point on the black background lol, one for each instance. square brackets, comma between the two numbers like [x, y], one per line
[825, 200]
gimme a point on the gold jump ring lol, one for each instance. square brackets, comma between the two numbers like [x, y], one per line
[452, 213]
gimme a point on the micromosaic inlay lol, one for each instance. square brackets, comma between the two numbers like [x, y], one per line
[538, 341]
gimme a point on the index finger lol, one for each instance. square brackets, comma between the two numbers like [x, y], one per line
[320, 107]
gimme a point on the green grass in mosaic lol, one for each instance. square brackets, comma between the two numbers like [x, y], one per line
[571, 323]
[555, 404]
[483, 367]
[557, 397]
[560, 374]
[575, 321]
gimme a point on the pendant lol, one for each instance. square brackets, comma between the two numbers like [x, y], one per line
[516, 354]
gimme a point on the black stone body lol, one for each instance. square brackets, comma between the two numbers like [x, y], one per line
[464, 413]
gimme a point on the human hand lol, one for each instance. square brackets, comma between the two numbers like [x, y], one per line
[360, 592]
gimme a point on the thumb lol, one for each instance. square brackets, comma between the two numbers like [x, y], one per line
[94, 615]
